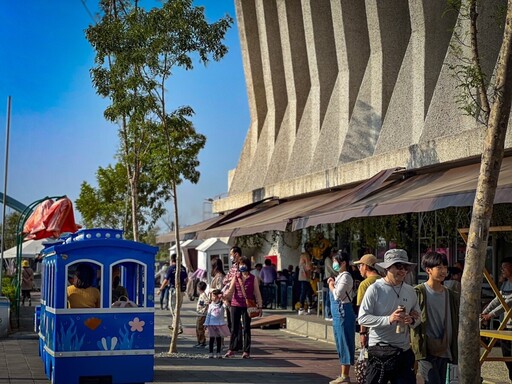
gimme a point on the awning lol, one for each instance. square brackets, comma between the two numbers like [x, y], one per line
[454, 187]
[194, 229]
[277, 217]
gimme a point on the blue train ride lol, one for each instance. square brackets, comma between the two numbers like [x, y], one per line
[111, 341]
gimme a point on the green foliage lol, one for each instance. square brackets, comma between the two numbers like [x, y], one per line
[9, 289]
[108, 205]
[136, 53]
[473, 84]
[11, 227]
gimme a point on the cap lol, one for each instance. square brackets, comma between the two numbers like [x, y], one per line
[367, 259]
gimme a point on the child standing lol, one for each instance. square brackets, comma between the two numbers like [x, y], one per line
[215, 323]
[201, 309]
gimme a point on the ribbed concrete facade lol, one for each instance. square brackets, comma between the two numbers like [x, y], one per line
[341, 89]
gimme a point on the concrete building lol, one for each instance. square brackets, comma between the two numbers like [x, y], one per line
[340, 90]
[355, 103]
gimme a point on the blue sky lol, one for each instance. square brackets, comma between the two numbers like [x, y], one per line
[58, 135]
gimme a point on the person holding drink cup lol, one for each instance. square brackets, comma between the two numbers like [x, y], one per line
[389, 308]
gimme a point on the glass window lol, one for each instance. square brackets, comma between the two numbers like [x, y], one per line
[84, 285]
[129, 283]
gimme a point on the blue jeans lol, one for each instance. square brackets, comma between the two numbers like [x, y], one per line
[164, 297]
[327, 304]
[344, 329]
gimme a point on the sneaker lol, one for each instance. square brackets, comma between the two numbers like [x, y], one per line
[301, 312]
[340, 379]
[229, 354]
[200, 345]
[310, 311]
[211, 356]
[245, 355]
[328, 319]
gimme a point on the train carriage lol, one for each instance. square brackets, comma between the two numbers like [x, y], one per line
[110, 344]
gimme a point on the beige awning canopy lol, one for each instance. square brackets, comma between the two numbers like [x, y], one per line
[422, 192]
[278, 216]
[389, 192]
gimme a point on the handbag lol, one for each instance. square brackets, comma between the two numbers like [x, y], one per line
[252, 308]
[360, 366]
[384, 356]
[124, 303]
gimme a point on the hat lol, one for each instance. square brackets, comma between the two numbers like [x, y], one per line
[24, 263]
[394, 256]
[216, 292]
[367, 259]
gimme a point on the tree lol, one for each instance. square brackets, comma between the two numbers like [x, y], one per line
[495, 113]
[136, 54]
[11, 226]
[181, 30]
[108, 205]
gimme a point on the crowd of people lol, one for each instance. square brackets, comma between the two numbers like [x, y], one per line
[405, 329]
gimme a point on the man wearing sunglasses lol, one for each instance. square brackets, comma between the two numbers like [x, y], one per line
[389, 308]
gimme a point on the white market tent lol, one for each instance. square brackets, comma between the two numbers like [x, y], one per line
[211, 249]
[30, 249]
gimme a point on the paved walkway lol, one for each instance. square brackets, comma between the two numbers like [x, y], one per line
[277, 357]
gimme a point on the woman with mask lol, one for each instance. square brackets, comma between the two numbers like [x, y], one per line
[341, 291]
[243, 286]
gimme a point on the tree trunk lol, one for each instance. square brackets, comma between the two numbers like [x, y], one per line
[134, 185]
[173, 348]
[492, 155]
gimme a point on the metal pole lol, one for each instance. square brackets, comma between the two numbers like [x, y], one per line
[5, 188]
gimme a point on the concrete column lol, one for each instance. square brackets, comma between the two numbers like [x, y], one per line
[296, 80]
[389, 31]
[318, 31]
[352, 50]
[444, 116]
[253, 69]
[431, 28]
[274, 90]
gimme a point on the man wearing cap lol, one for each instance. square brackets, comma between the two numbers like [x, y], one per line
[370, 274]
[389, 308]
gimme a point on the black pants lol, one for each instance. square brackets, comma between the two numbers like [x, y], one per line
[229, 316]
[239, 317]
[403, 372]
[219, 342]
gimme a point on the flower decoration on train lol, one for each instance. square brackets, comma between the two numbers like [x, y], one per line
[136, 325]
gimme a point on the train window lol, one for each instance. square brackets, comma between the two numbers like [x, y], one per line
[84, 285]
[129, 279]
